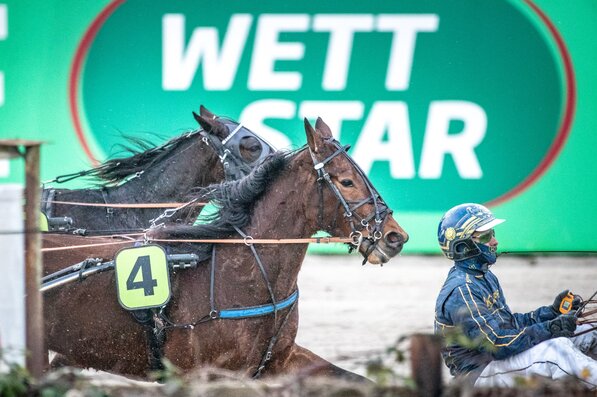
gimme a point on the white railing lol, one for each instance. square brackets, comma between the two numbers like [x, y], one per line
[12, 282]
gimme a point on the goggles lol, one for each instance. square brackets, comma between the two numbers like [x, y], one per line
[484, 237]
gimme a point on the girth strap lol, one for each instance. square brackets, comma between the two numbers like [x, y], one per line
[261, 310]
[267, 356]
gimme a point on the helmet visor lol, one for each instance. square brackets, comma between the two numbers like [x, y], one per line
[490, 225]
[485, 237]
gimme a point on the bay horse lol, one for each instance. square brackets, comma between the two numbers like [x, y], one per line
[221, 149]
[213, 316]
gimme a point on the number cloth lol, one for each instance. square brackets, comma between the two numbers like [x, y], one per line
[142, 277]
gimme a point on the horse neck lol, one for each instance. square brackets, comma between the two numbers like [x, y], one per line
[287, 210]
[194, 164]
[289, 207]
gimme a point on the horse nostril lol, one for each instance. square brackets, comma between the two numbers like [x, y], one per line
[394, 239]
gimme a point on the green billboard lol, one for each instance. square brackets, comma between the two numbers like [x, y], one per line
[442, 102]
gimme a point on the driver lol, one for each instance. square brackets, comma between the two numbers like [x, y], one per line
[500, 345]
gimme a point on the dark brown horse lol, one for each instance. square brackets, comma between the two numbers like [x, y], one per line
[162, 174]
[290, 195]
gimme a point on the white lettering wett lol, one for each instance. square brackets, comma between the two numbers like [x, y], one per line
[386, 119]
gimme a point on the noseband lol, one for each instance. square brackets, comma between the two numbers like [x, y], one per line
[357, 223]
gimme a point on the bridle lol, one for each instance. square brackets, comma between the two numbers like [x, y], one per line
[357, 222]
[228, 149]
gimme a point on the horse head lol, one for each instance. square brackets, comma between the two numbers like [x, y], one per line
[363, 213]
[239, 148]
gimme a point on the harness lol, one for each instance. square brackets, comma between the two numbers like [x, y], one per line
[47, 196]
[156, 322]
[357, 224]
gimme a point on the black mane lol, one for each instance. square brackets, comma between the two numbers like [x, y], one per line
[143, 155]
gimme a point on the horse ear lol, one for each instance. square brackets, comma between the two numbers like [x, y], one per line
[314, 138]
[197, 118]
[211, 125]
[206, 113]
[321, 126]
[204, 122]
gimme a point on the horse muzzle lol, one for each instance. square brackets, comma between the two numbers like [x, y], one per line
[378, 252]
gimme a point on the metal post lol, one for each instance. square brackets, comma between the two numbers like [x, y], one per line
[34, 333]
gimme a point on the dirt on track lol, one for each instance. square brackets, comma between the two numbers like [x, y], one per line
[350, 314]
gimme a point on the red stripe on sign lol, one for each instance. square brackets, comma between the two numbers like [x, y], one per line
[76, 69]
[569, 108]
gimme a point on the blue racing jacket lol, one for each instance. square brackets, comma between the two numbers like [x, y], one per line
[472, 302]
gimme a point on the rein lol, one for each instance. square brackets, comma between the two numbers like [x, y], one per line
[124, 205]
[583, 314]
[127, 237]
[248, 240]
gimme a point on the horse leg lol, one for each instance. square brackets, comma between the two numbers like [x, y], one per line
[304, 363]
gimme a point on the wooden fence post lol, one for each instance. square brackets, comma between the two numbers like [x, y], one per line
[426, 364]
[34, 323]
[33, 302]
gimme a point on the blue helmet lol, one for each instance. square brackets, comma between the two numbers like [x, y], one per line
[457, 227]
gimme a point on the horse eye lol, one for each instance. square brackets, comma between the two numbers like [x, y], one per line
[346, 182]
[250, 148]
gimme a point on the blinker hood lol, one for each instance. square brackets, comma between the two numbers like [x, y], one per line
[237, 132]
